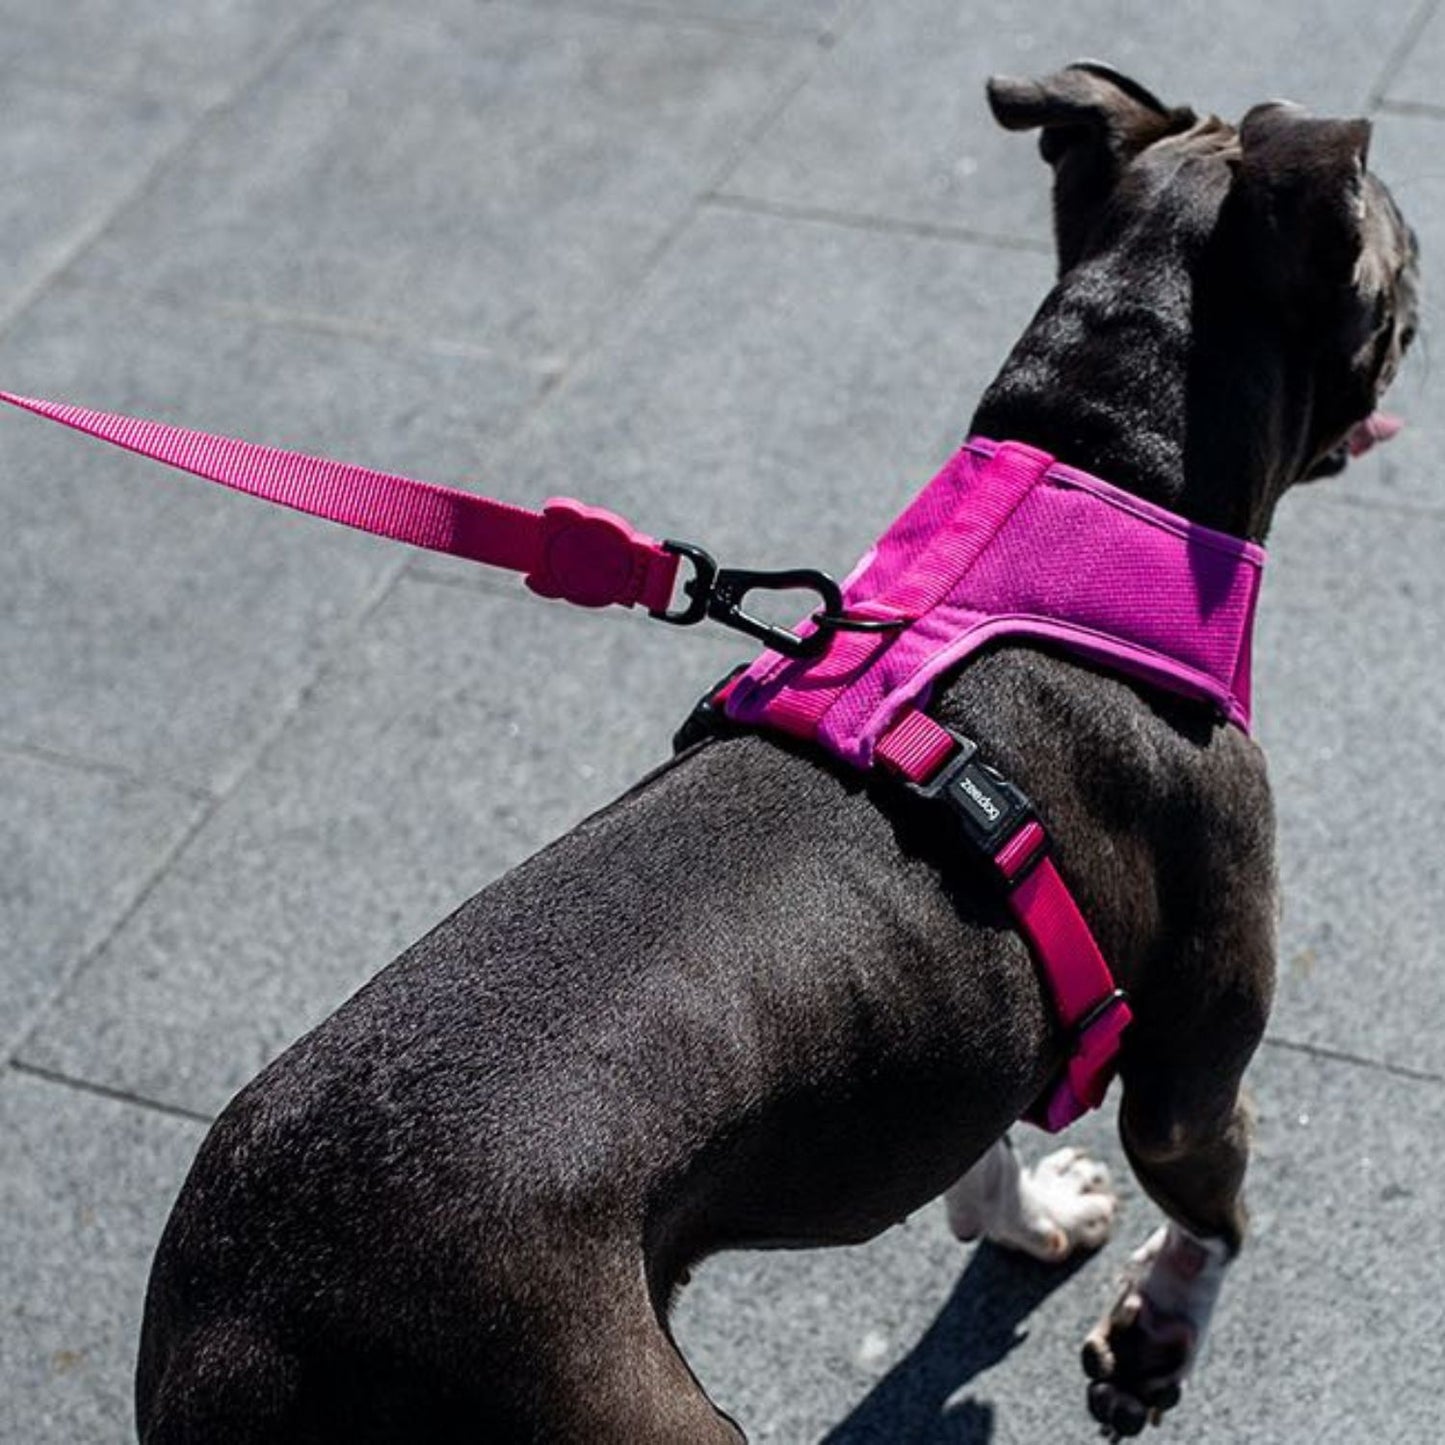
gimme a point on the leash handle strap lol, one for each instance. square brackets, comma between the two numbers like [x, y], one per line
[580, 554]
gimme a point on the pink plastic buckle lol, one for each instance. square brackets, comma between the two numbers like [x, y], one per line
[587, 556]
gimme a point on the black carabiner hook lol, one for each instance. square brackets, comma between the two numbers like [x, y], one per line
[718, 593]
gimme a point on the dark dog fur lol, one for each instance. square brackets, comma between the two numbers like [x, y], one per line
[758, 1001]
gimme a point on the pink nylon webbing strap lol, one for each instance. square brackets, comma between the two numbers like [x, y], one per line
[1090, 1010]
[581, 554]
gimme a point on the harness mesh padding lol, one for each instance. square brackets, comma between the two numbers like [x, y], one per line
[1006, 542]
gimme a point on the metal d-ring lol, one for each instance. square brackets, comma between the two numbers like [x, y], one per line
[841, 622]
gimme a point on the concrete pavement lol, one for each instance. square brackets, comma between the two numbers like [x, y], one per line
[738, 269]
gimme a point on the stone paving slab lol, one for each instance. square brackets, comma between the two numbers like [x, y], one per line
[1418, 77]
[159, 622]
[895, 123]
[1350, 695]
[780, 389]
[69, 159]
[194, 53]
[85, 1187]
[1323, 1333]
[76, 848]
[457, 735]
[490, 183]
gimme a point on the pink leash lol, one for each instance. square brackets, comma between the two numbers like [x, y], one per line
[584, 555]
[580, 554]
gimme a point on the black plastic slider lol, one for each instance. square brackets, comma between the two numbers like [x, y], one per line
[988, 808]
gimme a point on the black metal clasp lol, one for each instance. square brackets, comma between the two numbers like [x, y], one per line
[718, 593]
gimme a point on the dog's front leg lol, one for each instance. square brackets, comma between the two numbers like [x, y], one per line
[1062, 1204]
[1139, 1354]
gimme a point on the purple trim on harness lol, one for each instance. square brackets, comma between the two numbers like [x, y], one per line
[1008, 543]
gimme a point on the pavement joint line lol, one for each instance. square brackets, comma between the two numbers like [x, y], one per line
[93, 84]
[104, 767]
[195, 1116]
[1343, 1056]
[88, 234]
[787, 94]
[623, 296]
[1422, 108]
[788, 90]
[107, 1091]
[378, 329]
[69, 976]
[385, 584]
[866, 221]
[1400, 51]
[640, 10]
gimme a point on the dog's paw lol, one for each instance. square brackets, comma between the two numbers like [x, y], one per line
[1138, 1355]
[1068, 1204]
[1059, 1205]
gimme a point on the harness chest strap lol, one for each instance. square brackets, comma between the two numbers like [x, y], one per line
[1006, 543]
[995, 820]
[998, 821]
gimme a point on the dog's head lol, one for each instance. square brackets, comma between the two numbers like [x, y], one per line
[1299, 294]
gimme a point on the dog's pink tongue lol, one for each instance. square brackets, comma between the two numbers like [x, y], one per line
[1379, 426]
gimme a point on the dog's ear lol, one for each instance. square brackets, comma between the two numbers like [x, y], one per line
[1094, 121]
[1302, 182]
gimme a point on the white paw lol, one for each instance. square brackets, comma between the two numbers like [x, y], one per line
[1067, 1204]
[1064, 1203]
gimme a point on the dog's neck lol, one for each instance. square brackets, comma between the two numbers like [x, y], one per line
[1123, 374]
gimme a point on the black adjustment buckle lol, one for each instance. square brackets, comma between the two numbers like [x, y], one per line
[707, 719]
[717, 593]
[989, 809]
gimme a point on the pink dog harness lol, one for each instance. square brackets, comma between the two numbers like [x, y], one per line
[1005, 543]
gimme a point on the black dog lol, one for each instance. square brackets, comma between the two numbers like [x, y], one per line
[458, 1208]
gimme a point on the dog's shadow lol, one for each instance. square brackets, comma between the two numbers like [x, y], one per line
[978, 1327]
